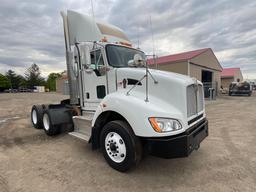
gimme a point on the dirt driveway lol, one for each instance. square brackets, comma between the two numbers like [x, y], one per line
[30, 161]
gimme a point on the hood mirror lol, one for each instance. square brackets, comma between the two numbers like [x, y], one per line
[137, 61]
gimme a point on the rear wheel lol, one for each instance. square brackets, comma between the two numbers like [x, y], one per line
[37, 116]
[49, 128]
[121, 148]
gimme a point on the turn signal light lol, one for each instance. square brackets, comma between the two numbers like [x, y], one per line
[154, 124]
[161, 125]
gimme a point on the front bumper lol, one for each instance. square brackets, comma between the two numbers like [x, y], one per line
[179, 145]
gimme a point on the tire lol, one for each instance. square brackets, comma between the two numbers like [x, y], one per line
[48, 127]
[37, 116]
[121, 148]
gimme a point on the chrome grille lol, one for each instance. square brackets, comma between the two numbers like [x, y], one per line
[195, 99]
[200, 98]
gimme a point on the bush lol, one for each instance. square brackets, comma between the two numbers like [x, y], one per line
[4, 83]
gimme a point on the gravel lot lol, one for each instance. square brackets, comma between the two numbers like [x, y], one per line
[32, 161]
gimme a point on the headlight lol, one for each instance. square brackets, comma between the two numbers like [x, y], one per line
[164, 124]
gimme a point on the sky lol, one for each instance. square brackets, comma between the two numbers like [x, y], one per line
[31, 31]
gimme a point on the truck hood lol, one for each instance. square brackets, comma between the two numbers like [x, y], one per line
[169, 93]
[159, 75]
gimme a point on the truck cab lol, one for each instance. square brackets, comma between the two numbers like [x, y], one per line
[118, 104]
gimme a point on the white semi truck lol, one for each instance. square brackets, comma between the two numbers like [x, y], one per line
[120, 105]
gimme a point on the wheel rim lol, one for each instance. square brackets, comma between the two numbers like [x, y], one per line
[46, 121]
[34, 117]
[115, 147]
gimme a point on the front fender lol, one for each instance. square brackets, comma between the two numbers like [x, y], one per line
[137, 111]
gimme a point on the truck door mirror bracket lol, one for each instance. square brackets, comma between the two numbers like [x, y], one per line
[85, 55]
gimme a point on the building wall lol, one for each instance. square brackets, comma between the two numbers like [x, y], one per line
[216, 78]
[238, 75]
[225, 82]
[196, 71]
[208, 60]
[179, 67]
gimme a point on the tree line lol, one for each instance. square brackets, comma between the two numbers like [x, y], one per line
[32, 77]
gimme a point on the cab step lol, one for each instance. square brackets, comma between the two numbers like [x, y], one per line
[87, 115]
[82, 126]
[79, 136]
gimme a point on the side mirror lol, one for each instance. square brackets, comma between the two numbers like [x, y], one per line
[85, 55]
[131, 63]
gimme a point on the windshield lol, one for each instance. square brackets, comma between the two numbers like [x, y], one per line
[118, 56]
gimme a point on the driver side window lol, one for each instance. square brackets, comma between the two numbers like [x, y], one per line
[97, 61]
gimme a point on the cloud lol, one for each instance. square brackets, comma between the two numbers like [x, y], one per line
[31, 30]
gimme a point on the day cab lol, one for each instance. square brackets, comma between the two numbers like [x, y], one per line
[118, 104]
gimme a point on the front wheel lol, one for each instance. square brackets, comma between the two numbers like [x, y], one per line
[121, 148]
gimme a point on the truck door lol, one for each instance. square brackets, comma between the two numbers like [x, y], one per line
[94, 81]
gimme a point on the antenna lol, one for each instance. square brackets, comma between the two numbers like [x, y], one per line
[148, 73]
[153, 41]
[138, 37]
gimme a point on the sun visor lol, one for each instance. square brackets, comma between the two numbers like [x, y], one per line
[83, 28]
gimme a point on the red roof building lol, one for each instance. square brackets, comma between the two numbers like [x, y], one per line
[229, 75]
[178, 57]
[201, 64]
[229, 72]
